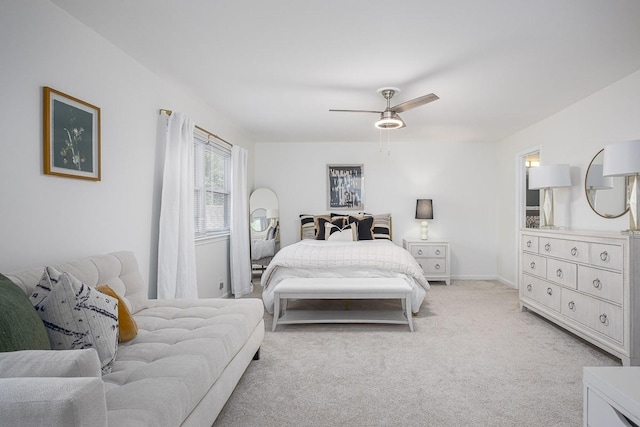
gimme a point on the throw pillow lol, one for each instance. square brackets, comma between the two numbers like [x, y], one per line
[307, 227]
[320, 225]
[127, 327]
[77, 316]
[381, 225]
[20, 326]
[365, 226]
[346, 234]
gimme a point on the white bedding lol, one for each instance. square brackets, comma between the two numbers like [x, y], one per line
[365, 258]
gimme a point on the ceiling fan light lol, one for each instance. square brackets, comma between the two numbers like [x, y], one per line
[388, 124]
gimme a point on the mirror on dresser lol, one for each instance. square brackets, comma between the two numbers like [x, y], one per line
[606, 195]
[264, 222]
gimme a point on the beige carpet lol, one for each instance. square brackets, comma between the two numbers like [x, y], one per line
[474, 359]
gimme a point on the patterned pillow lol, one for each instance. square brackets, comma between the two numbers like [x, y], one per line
[307, 227]
[364, 225]
[381, 225]
[77, 316]
[320, 225]
[347, 234]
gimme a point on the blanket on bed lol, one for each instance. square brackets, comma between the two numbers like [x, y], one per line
[370, 258]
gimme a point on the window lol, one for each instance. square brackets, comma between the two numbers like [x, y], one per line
[212, 198]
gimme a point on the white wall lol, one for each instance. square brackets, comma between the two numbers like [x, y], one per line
[46, 219]
[571, 136]
[458, 177]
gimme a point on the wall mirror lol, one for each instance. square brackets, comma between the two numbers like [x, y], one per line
[607, 195]
[263, 206]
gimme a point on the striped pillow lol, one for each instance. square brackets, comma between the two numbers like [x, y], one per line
[381, 225]
[307, 227]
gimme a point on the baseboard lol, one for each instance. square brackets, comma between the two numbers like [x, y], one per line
[497, 278]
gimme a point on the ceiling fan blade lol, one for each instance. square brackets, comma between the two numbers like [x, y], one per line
[357, 111]
[416, 102]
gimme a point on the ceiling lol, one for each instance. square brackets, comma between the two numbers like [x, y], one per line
[275, 68]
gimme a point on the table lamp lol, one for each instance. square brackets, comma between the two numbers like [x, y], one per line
[424, 211]
[546, 178]
[623, 159]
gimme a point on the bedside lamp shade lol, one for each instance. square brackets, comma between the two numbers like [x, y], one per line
[424, 211]
[623, 159]
[546, 178]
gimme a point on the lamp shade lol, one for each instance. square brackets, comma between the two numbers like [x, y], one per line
[424, 209]
[595, 179]
[622, 158]
[549, 176]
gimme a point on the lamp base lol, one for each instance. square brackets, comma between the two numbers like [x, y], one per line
[424, 230]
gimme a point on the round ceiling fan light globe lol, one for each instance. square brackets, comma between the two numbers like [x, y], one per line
[388, 123]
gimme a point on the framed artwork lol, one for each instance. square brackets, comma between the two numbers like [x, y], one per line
[345, 187]
[71, 136]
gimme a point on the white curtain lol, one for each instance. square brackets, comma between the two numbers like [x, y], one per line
[176, 246]
[240, 257]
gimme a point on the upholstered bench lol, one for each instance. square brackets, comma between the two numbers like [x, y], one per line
[343, 289]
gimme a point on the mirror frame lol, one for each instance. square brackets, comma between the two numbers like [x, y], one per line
[251, 220]
[586, 192]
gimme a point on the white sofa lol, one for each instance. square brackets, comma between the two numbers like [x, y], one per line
[179, 370]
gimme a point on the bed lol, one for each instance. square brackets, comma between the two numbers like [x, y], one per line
[373, 257]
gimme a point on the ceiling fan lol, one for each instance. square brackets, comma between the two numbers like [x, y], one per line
[389, 118]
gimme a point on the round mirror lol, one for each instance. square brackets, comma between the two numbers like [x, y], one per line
[607, 195]
[259, 220]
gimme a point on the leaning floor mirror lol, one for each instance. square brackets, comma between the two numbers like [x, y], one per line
[264, 223]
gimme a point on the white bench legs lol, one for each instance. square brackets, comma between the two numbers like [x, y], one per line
[344, 289]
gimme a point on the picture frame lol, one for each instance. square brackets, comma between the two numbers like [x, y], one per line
[345, 187]
[71, 136]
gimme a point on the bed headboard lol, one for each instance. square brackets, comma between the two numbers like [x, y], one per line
[382, 224]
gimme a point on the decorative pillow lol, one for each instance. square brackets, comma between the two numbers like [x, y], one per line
[320, 225]
[381, 225]
[347, 234]
[77, 316]
[127, 327]
[364, 225]
[307, 227]
[20, 326]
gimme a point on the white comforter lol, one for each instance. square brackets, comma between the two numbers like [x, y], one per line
[366, 258]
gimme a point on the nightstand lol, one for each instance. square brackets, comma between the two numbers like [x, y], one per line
[433, 256]
[611, 396]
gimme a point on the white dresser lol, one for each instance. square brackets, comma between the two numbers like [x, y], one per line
[433, 256]
[586, 282]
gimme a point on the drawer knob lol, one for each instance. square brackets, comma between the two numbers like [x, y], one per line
[572, 305]
[549, 291]
[419, 251]
[547, 247]
[604, 256]
[597, 284]
[559, 273]
[529, 287]
[528, 243]
[533, 265]
[574, 251]
[603, 318]
[437, 251]
[437, 266]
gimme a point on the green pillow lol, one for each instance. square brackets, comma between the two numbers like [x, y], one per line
[20, 326]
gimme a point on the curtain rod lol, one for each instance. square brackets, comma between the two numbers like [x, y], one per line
[168, 112]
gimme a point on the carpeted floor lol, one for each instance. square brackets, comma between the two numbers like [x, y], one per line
[474, 360]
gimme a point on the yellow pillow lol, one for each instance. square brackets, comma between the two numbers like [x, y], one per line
[127, 327]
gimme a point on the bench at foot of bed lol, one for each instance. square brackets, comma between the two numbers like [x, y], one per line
[344, 289]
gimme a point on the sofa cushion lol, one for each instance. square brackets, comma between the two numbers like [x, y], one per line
[20, 326]
[127, 328]
[181, 349]
[77, 316]
[47, 363]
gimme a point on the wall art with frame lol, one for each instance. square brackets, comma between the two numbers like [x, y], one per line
[71, 136]
[345, 187]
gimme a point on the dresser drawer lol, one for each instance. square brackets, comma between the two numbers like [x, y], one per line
[566, 249]
[543, 292]
[429, 251]
[601, 283]
[608, 256]
[529, 243]
[596, 314]
[432, 265]
[562, 272]
[534, 264]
